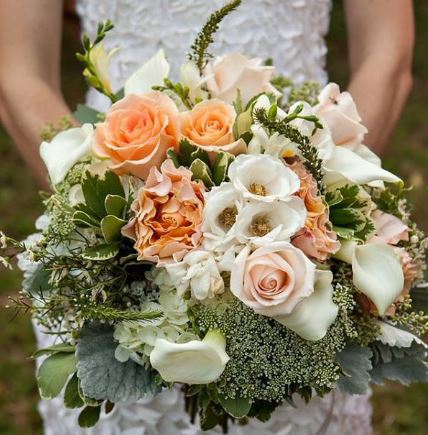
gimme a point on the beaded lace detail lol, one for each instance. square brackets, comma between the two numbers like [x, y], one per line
[291, 32]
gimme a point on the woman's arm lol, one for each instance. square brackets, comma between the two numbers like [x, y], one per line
[30, 90]
[380, 40]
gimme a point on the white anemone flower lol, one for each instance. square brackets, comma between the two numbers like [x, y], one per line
[198, 272]
[194, 362]
[262, 223]
[377, 271]
[263, 178]
[65, 150]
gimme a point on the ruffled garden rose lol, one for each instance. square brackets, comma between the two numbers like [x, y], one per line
[389, 228]
[229, 73]
[273, 279]
[209, 125]
[137, 132]
[338, 110]
[168, 215]
[316, 239]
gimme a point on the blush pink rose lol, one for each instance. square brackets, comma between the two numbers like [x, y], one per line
[209, 125]
[137, 132]
[338, 110]
[389, 228]
[273, 279]
[229, 73]
[168, 215]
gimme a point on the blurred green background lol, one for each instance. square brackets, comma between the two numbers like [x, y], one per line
[397, 410]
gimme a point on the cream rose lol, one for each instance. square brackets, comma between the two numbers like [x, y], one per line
[229, 73]
[273, 279]
[209, 125]
[338, 110]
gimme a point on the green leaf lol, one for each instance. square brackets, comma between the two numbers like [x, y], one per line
[202, 172]
[220, 167]
[60, 347]
[89, 416]
[173, 156]
[101, 252]
[39, 280]
[92, 198]
[185, 154]
[85, 220]
[72, 397]
[355, 362]
[110, 227]
[86, 114]
[110, 185]
[419, 299]
[115, 205]
[102, 377]
[54, 372]
[238, 407]
[344, 233]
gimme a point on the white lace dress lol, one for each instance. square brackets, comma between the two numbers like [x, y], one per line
[291, 32]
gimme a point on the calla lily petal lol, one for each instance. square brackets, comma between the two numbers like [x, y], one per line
[314, 315]
[349, 165]
[378, 274]
[66, 149]
[194, 362]
[152, 73]
[346, 251]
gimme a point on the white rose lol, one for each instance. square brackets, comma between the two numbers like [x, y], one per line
[194, 362]
[263, 178]
[65, 150]
[262, 223]
[229, 73]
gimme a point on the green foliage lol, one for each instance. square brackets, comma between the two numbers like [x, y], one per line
[72, 397]
[349, 213]
[199, 49]
[182, 92]
[60, 347]
[404, 365]
[307, 91]
[102, 377]
[85, 114]
[197, 160]
[307, 150]
[237, 407]
[54, 373]
[49, 131]
[89, 416]
[355, 362]
[109, 314]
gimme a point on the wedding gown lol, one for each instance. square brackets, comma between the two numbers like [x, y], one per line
[291, 32]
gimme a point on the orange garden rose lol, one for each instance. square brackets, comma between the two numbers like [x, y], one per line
[316, 239]
[210, 125]
[168, 215]
[137, 132]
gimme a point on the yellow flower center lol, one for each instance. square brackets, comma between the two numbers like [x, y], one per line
[228, 217]
[258, 189]
[260, 227]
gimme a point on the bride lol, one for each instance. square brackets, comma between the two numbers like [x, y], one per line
[380, 39]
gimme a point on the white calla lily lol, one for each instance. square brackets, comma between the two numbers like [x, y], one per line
[378, 274]
[346, 164]
[194, 362]
[152, 73]
[66, 149]
[315, 314]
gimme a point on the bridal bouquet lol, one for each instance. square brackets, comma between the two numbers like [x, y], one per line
[228, 232]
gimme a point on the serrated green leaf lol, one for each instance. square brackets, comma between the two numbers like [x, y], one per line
[86, 114]
[72, 397]
[89, 416]
[54, 372]
[115, 205]
[344, 233]
[102, 377]
[92, 198]
[60, 347]
[355, 362]
[344, 216]
[185, 154]
[202, 172]
[220, 167]
[110, 227]
[238, 407]
[173, 156]
[200, 154]
[110, 185]
[101, 252]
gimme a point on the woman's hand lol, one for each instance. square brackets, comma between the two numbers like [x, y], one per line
[380, 40]
[30, 90]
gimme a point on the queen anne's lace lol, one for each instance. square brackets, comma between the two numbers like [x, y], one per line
[292, 33]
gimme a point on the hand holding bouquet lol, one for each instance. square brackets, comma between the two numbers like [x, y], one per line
[229, 232]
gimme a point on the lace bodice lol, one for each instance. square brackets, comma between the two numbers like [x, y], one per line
[291, 32]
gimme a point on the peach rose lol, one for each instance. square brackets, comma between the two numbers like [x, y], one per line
[338, 110]
[209, 125]
[137, 132]
[273, 279]
[168, 215]
[229, 73]
[316, 239]
[389, 228]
